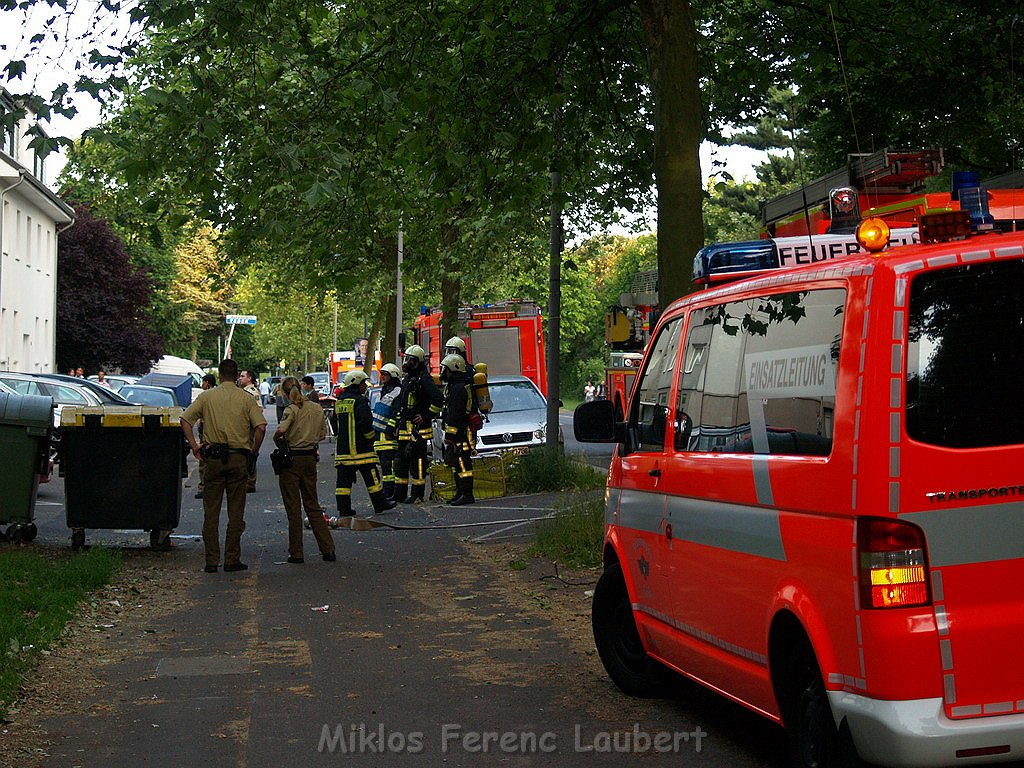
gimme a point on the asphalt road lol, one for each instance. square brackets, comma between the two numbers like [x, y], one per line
[424, 650]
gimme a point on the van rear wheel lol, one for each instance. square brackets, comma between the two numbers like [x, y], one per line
[618, 642]
[815, 742]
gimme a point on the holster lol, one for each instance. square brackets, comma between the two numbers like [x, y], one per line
[214, 451]
[281, 459]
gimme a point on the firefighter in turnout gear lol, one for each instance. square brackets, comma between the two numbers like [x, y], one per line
[386, 424]
[418, 404]
[355, 445]
[459, 439]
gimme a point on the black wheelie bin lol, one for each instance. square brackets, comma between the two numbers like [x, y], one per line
[122, 470]
[25, 424]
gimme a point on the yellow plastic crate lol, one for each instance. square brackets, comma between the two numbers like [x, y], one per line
[120, 415]
[490, 475]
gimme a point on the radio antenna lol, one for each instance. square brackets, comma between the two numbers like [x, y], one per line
[803, 187]
[846, 84]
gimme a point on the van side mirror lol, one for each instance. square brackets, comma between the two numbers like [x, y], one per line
[594, 422]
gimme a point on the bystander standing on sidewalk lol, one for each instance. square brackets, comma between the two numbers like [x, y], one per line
[308, 387]
[264, 392]
[247, 381]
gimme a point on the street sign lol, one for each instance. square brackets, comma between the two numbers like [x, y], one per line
[241, 320]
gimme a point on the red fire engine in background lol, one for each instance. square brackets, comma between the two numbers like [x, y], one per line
[627, 329]
[507, 335]
[887, 184]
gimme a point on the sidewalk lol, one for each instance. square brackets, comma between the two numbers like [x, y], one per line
[239, 669]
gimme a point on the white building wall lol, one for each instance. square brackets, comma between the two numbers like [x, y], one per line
[30, 220]
[28, 286]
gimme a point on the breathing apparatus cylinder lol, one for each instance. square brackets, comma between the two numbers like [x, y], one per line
[483, 392]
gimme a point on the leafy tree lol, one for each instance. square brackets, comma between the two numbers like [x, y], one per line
[145, 218]
[203, 289]
[874, 73]
[294, 323]
[101, 301]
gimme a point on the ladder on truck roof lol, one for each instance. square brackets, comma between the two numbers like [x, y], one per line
[887, 171]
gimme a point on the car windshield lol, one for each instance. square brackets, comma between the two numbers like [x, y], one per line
[515, 396]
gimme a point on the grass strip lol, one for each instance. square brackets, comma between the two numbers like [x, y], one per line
[39, 593]
[542, 470]
[573, 536]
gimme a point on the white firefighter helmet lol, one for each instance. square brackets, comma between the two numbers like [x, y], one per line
[392, 370]
[416, 351]
[454, 363]
[455, 345]
[354, 377]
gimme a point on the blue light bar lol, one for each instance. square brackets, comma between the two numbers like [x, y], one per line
[724, 261]
[973, 199]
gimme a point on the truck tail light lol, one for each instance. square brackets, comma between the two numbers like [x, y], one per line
[893, 566]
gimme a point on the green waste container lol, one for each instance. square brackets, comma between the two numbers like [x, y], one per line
[122, 469]
[25, 424]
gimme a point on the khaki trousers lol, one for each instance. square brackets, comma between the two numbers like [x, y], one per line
[220, 478]
[298, 489]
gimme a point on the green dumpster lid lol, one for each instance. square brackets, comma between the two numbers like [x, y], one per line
[26, 410]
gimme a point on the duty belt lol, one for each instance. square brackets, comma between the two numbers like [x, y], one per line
[310, 452]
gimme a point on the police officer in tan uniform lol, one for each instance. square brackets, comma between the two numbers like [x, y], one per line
[233, 430]
[301, 430]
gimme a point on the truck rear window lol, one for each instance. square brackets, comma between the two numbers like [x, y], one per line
[965, 356]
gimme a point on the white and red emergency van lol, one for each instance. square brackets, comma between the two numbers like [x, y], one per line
[816, 503]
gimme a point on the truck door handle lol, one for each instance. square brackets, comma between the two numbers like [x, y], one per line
[654, 472]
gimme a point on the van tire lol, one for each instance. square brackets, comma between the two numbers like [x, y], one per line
[618, 642]
[815, 742]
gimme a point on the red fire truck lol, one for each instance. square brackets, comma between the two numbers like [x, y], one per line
[508, 336]
[886, 184]
[627, 328]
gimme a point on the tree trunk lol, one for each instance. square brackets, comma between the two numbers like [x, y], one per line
[678, 130]
[451, 282]
[379, 321]
[554, 311]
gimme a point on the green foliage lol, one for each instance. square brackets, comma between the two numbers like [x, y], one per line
[573, 536]
[295, 323]
[38, 595]
[146, 220]
[101, 301]
[539, 470]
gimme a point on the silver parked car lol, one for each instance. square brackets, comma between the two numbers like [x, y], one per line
[63, 394]
[517, 421]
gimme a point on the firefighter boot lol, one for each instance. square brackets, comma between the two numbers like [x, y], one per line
[415, 495]
[465, 488]
[389, 490]
[401, 489]
[344, 505]
[381, 503]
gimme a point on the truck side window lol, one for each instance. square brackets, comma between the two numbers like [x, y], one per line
[649, 411]
[759, 375]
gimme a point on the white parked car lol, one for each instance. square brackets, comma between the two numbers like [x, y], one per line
[517, 421]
